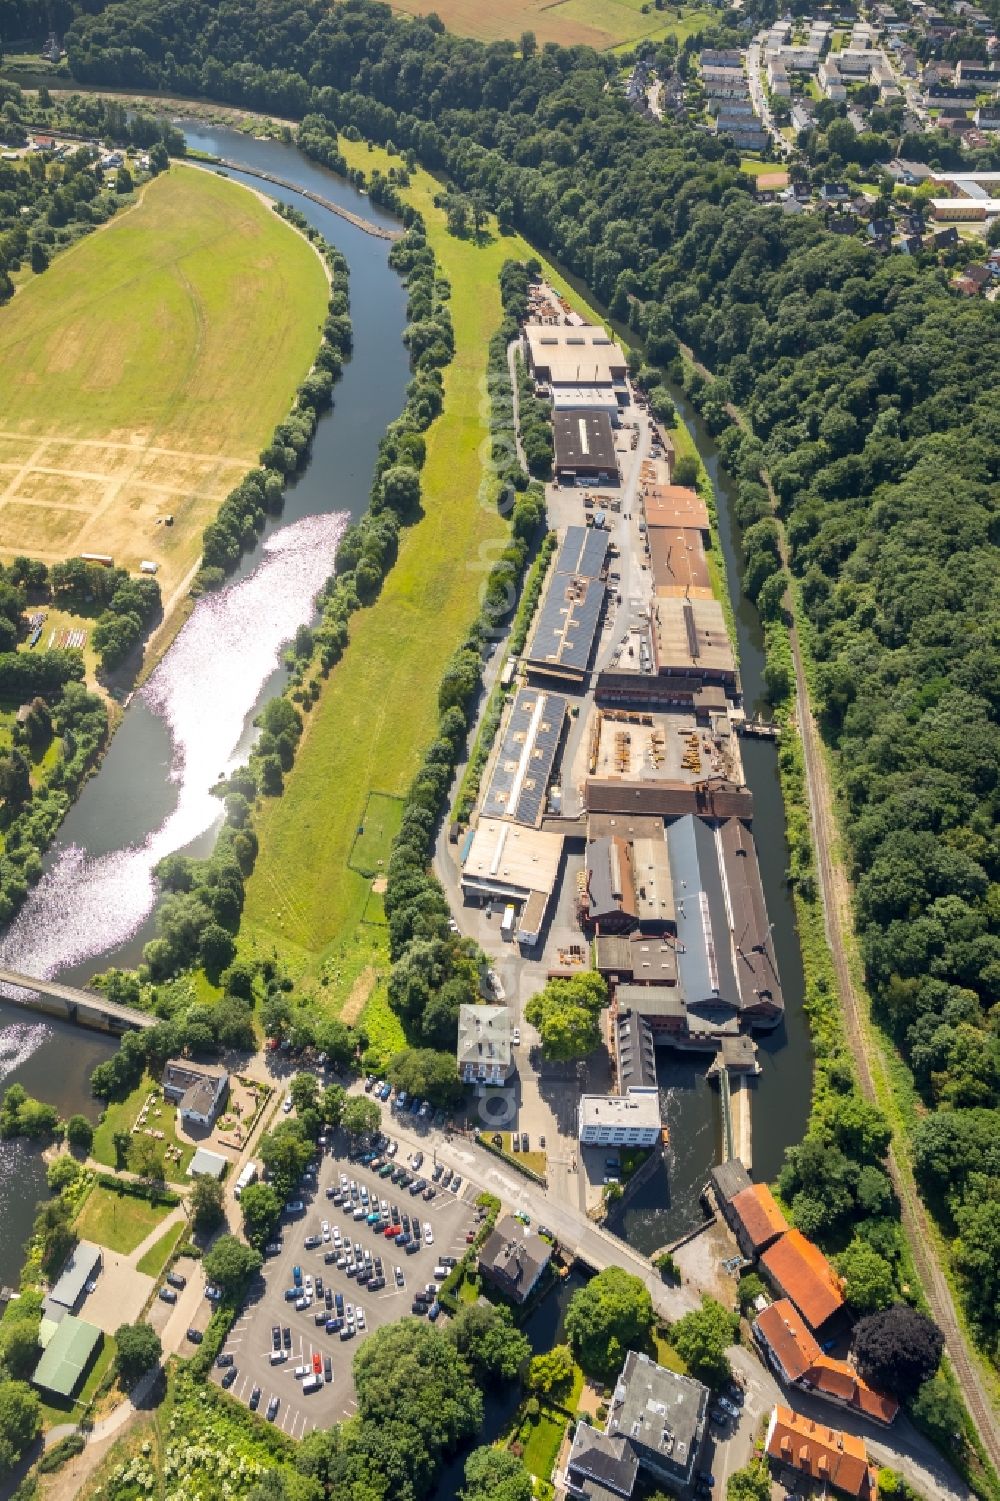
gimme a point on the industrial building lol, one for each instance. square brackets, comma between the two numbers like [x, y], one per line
[484, 1045]
[511, 863]
[584, 446]
[629, 1120]
[570, 612]
[627, 884]
[523, 766]
[725, 954]
[690, 639]
[678, 564]
[576, 355]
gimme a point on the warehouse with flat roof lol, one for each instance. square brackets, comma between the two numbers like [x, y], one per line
[690, 639]
[574, 355]
[585, 446]
[526, 756]
[514, 864]
[82, 1263]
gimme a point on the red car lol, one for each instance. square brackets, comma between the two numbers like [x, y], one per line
[317, 1363]
[391, 1231]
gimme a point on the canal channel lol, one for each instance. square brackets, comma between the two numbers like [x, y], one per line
[94, 906]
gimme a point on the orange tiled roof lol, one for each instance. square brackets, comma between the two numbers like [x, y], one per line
[822, 1453]
[803, 1274]
[802, 1361]
[675, 505]
[782, 1326]
[759, 1214]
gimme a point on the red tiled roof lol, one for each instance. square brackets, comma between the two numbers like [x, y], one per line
[759, 1215]
[793, 1345]
[803, 1274]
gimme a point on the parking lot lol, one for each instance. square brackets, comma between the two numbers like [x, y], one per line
[302, 1333]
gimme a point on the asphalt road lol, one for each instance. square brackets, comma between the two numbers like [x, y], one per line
[250, 1340]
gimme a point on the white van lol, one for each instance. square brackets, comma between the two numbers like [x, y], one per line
[301, 1371]
[440, 1273]
[507, 922]
[312, 1383]
[278, 1357]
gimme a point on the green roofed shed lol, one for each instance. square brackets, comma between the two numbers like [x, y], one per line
[67, 1356]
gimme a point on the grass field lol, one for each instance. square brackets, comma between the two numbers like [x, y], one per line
[143, 372]
[378, 711]
[160, 1251]
[120, 1116]
[120, 1222]
[542, 1446]
[602, 24]
[378, 828]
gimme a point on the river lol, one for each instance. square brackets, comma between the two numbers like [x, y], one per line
[193, 719]
[94, 904]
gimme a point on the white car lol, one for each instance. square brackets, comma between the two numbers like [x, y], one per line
[325, 1227]
[496, 985]
[360, 1318]
[515, 1036]
[308, 1285]
[343, 1180]
[428, 1233]
[336, 1235]
[287, 1104]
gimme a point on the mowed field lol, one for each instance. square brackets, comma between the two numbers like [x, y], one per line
[601, 24]
[143, 372]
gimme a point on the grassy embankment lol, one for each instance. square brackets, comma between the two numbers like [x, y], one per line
[378, 711]
[143, 372]
[602, 24]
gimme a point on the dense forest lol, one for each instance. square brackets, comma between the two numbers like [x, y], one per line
[869, 387]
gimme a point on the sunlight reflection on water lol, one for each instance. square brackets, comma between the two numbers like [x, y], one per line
[204, 689]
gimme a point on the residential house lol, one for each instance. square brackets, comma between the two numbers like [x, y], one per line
[910, 245]
[987, 117]
[801, 1272]
[827, 1456]
[484, 1045]
[791, 1350]
[513, 1259]
[198, 1090]
[656, 1427]
[834, 192]
[880, 230]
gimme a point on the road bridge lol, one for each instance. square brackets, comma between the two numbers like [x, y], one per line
[87, 1008]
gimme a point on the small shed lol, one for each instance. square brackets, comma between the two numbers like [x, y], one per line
[211, 1164]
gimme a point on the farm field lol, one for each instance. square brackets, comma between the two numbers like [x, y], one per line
[601, 24]
[378, 711]
[142, 374]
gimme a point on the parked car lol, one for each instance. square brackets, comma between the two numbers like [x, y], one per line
[230, 1377]
[276, 1336]
[213, 1294]
[195, 1336]
[175, 1279]
[386, 1091]
[255, 1399]
[295, 1206]
[272, 1409]
[225, 1359]
[168, 1295]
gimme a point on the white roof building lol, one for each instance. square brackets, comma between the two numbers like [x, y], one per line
[629, 1120]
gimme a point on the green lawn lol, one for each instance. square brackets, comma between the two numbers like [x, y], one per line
[378, 711]
[542, 1446]
[378, 828]
[667, 1356]
[120, 1222]
[120, 1116]
[154, 358]
[160, 1251]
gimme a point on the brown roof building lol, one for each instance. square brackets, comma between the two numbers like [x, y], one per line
[792, 1351]
[756, 1219]
[801, 1272]
[675, 506]
[514, 1258]
[824, 1454]
[677, 563]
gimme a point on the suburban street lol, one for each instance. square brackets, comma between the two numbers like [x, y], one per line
[758, 97]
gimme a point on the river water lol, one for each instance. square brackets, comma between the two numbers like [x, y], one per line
[193, 720]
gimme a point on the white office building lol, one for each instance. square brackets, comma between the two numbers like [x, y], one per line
[628, 1120]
